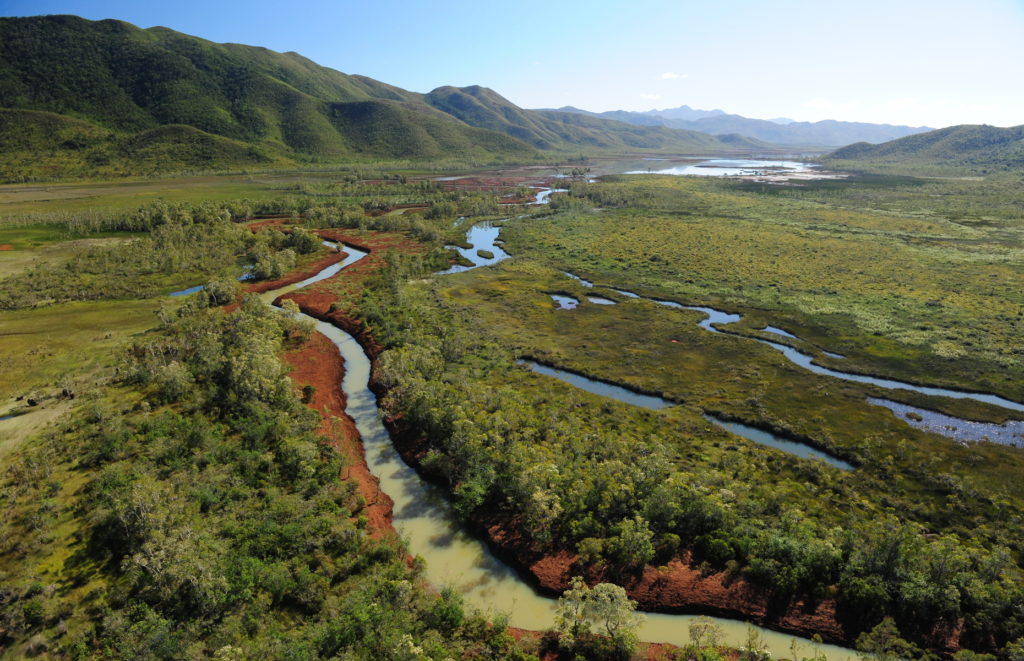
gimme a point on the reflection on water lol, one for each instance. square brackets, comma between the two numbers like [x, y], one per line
[634, 398]
[767, 438]
[803, 360]
[352, 255]
[564, 302]
[247, 275]
[779, 331]
[544, 196]
[722, 167]
[599, 387]
[481, 236]
[585, 283]
[1010, 432]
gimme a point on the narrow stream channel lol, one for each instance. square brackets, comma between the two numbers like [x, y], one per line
[422, 515]
[714, 318]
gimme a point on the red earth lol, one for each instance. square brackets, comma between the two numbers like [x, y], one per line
[678, 587]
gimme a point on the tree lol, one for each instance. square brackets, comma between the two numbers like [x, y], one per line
[634, 545]
[704, 632]
[303, 241]
[222, 291]
[605, 606]
[883, 643]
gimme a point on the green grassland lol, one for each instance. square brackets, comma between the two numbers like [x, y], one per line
[661, 351]
[914, 296]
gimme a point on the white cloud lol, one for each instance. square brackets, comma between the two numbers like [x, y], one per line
[650, 97]
[668, 75]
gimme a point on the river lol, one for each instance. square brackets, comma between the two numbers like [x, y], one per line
[423, 516]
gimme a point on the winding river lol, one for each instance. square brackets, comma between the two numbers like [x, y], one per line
[422, 513]
[423, 516]
[484, 235]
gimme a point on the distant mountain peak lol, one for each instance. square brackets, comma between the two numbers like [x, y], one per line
[781, 130]
[685, 112]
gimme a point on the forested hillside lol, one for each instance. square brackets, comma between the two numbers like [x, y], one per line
[109, 85]
[964, 149]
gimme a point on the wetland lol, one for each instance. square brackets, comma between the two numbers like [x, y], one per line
[698, 388]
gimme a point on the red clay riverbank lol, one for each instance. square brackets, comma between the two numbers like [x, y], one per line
[307, 271]
[678, 587]
[319, 364]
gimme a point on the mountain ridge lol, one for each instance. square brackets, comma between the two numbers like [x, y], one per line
[277, 108]
[781, 131]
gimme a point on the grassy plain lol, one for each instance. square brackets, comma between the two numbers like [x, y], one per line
[909, 294]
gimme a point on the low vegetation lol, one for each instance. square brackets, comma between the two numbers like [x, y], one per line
[186, 505]
[955, 150]
[190, 510]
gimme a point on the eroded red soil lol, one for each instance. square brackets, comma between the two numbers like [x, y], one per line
[319, 364]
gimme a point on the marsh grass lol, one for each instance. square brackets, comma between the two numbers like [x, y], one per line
[920, 298]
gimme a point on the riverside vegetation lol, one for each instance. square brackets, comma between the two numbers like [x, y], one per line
[186, 505]
[925, 531]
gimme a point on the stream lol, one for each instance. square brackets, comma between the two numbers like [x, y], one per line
[714, 318]
[422, 515]
[484, 236]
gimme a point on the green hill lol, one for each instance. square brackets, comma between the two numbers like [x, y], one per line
[231, 105]
[116, 84]
[964, 149]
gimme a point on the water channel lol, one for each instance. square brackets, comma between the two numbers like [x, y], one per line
[453, 557]
[715, 318]
[1009, 433]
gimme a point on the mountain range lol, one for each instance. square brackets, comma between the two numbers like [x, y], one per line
[80, 97]
[781, 131]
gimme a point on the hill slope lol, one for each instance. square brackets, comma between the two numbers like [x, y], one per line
[279, 106]
[964, 149]
[826, 133]
[246, 106]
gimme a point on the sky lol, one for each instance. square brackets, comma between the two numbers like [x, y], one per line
[922, 63]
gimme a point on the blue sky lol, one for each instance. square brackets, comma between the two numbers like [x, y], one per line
[932, 63]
